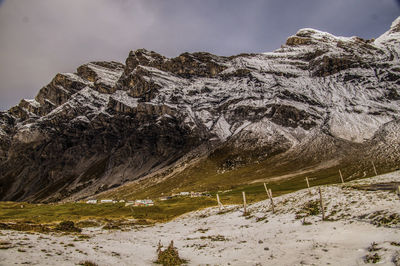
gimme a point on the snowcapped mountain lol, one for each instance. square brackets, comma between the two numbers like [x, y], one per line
[317, 104]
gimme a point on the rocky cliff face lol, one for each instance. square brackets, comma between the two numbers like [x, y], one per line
[317, 99]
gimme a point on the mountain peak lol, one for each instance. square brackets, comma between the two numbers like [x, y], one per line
[395, 27]
[391, 38]
[309, 36]
[319, 101]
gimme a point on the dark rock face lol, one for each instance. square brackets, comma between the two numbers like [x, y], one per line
[327, 66]
[58, 91]
[317, 98]
[289, 116]
[298, 40]
[197, 64]
[138, 80]
[140, 84]
[185, 65]
[82, 153]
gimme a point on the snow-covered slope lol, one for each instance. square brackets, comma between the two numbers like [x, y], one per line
[110, 123]
[358, 225]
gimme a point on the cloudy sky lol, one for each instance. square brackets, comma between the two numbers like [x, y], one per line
[43, 37]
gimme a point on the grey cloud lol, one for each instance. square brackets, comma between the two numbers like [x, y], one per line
[40, 38]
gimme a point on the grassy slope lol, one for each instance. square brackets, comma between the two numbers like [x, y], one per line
[51, 213]
[207, 176]
[163, 210]
[167, 210]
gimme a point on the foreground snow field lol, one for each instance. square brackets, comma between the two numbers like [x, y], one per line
[355, 220]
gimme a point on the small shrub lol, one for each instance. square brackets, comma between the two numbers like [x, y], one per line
[259, 219]
[330, 216]
[381, 218]
[396, 259]
[4, 226]
[88, 263]
[111, 226]
[5, 245]
[214, 238]
[67, 226]
[218, 238]
[373, 247]
[372, 258]
[168, 256]
[309, 208]
[83, 237]
[248, 216]
[387, 221]
[312, 207]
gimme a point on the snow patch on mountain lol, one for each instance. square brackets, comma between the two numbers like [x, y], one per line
[86, 99]
[105, 75]
[123, 97]
[28, 134]
[356, 127]
[222, 128]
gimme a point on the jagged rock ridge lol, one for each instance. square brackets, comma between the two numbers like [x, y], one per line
[316, 99]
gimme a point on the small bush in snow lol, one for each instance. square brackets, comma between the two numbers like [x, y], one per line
[68, 226]
[88, 263]
[168, 256]
[372, 258]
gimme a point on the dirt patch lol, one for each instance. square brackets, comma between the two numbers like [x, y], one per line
[321, 166]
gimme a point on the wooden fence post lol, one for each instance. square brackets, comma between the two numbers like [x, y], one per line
[321, 203]
[373, 165]
[341, 177]
[244, 203]
[272, 201]
[398, 191]
[308, 185]
[266, 189]
[219, 203]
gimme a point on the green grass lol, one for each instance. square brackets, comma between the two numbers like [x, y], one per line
[51, 213]
[46, 213]
[207, 175]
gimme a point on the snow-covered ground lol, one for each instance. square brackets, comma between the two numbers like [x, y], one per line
[214, 237]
